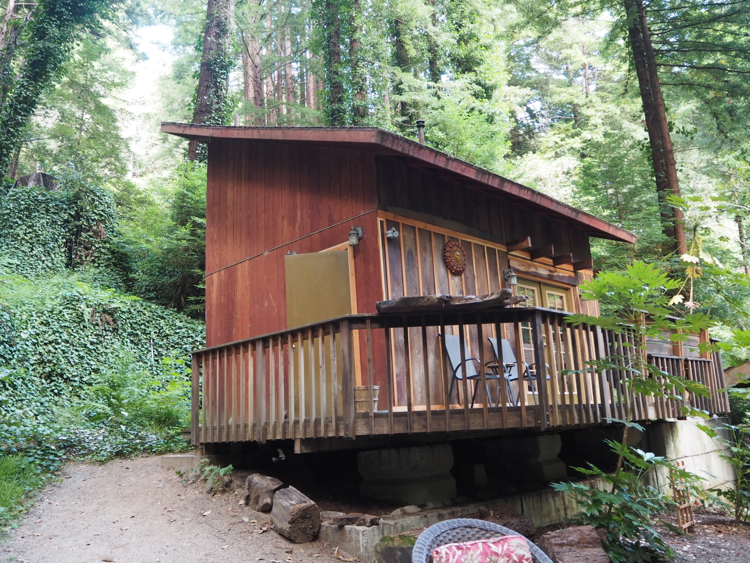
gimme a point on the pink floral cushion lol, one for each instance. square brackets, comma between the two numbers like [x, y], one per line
[506, 549]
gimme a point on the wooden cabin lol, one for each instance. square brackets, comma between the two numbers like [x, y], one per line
[308, 229]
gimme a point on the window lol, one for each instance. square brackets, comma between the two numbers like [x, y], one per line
[529, 293]
[556, 301]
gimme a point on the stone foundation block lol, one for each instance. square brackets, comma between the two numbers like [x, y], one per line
[414, 475]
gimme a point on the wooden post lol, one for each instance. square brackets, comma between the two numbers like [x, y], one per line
[541, 376]
[195, 401]
[347, 359]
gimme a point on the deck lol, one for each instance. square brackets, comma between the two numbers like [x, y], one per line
[319, 381]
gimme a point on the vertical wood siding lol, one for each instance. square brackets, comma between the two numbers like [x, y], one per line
[267, 199]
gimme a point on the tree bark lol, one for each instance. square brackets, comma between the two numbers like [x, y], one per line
[252, 78]
[211, 105]
[359, 81]
[335, 106]
[288, 72]
[295, 516]
[743, 243]
[9, 37]
[662, 152]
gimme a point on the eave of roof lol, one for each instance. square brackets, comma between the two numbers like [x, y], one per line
[388, 142]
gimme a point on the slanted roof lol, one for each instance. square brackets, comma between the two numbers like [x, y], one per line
[415, 154]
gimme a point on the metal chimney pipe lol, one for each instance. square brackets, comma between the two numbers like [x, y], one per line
[420, 130]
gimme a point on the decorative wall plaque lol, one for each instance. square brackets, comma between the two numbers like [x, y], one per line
[455, 257]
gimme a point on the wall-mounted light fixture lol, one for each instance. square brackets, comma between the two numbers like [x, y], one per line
[391, 233]
[510, 276]
[354, 235]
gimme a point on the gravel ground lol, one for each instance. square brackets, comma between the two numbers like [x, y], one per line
[132, 511]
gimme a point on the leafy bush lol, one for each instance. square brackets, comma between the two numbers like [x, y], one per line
[68, 333]
[626, 507]
[43, 232]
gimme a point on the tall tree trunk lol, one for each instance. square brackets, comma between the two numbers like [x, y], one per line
[662, 152]
[335, 103]
[403, 62]
[433, 57]
[9, 38]
[359, 80]
[743, 243]
[252, 78]
[13, 170]
[288, 73]
[212, 98]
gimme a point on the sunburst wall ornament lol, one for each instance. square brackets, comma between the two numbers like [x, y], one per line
[455, 257]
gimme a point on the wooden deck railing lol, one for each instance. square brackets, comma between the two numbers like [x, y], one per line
[301, 383]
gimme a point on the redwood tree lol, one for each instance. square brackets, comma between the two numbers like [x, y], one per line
[662, 152]
[212, 98]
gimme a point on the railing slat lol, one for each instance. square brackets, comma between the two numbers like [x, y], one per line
[323, 376]
[334, 377]
[409, 387]
[348, 380]
[426, 370]
[389, 373]
[521, 382]
[464, 379]
[482, 374]
[503, 393]
[541, 376]
[370, 376]
[195, 372]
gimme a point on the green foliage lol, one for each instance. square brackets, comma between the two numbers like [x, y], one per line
[626, 506]
[167, 247]
[18, 476]
[66, 332]
[55, 27]
[76, 127]
[43, 232]
[738, 455]
[637, 302]
[212, 475]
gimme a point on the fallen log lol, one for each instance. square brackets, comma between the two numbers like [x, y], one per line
[295, 516]
[259, 492]
[434, 303]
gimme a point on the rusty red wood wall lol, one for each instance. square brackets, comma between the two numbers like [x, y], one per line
[403, 189]
[265, 200]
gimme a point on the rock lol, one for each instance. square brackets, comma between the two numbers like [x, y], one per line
[354, 519]
[579, 544]
[295, 516]
[395, 549]
[404, 510]
[260, 490]
[507, 516]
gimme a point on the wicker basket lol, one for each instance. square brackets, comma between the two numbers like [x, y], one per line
[361, 394]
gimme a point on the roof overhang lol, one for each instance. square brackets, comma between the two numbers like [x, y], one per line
[418, 154]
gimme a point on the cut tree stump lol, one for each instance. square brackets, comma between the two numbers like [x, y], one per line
[295, 516]
[260, 490]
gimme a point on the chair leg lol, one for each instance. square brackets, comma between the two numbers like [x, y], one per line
[487, 390]
[509, 387]
[533, 390]
[450, 392]
[474, 396]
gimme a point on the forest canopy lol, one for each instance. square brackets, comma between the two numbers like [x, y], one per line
[634, 111]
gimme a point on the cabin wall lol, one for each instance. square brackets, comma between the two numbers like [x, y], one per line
[265, 200]
[423, 195]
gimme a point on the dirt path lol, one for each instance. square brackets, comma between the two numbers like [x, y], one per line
[132, 511]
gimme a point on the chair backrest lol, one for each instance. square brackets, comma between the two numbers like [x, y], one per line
[509, 358]
[462, 530]
[452, 344]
